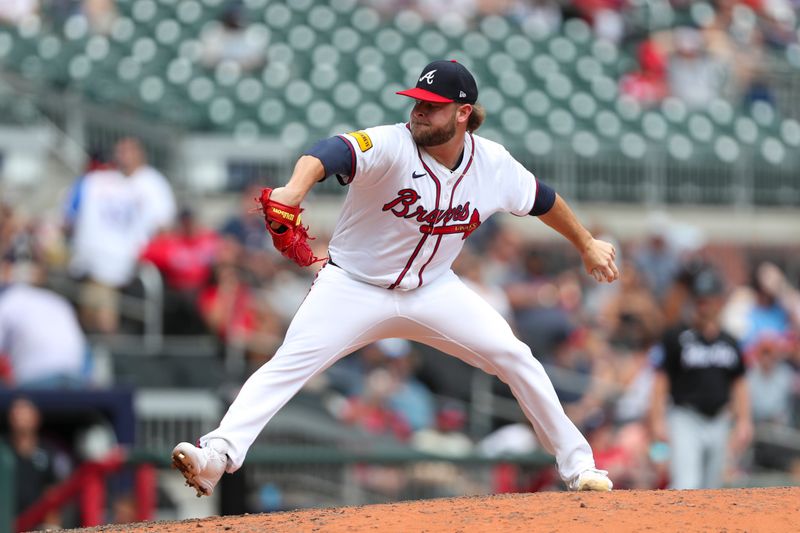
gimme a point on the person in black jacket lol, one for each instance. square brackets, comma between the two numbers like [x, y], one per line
[700, 394]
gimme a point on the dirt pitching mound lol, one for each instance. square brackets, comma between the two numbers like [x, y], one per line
[773, 510]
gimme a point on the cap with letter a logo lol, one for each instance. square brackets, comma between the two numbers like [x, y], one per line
[444, 82]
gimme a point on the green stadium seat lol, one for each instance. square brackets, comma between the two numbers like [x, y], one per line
[519, 48]
[583, 105]
[179, 71]
[369, 114]
[168, 32]
[604, 89]
[577, 31]
[298, 93]
[561, 122]
[190, 13]
[746, 130]
[246, 129]
[535, 29]
[295, 134]
[201, 89]
[322, 18]
[558, 86]
[721, 112]
[347, 95]
[371, 78]
[343, 6]
[773, 151]
[434, 43]
[301, 6]
[496, 28]
[492, 100]
[249, 91]
[512, 84]
[320, 114]
[347, 40]
[763, 113]
[790, 132]
[369, 56]
[562, 49]
[279, 17]
[632, 145]
[272, 112]
[325, 54]
[727, 149]
[254, 5]
[585, 144]
[605, 52]
[514, 120]
[324, 76]
[674, 110]
[538, 142]
[588, 68]
[276, 75]
[144, 11]
[302, 38]
[227, 73]
[654, 126]
[390, 41]
[408, 22]
[476, 44]
[700, 128]
[393, 102]
[680, 147]
[366, 20]
[80, 68]
[221, 110]
[536, 103]
[452, 25]
[608, 124]
[499, 63]
[543, 65]
[151, 89]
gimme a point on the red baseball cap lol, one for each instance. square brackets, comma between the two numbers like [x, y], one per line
[444, 82]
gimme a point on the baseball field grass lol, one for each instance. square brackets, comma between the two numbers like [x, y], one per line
[771, 510]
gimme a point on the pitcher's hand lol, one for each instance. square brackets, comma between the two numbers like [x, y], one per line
[598, 260]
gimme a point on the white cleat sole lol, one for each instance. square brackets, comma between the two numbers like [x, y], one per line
[182, 463]
[596, 485]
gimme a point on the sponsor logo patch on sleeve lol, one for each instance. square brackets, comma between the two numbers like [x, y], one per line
[363, 140]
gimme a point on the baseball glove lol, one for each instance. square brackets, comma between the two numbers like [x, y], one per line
[291, 238]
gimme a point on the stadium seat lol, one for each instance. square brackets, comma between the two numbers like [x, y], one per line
[608, 124]
[654, 126]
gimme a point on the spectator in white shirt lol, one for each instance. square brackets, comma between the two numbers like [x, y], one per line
[40, 336]
[158, 208]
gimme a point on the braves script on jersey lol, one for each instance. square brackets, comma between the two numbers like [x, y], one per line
[413, 212]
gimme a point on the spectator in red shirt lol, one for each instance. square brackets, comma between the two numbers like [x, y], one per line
[185, 257]
[648, 85]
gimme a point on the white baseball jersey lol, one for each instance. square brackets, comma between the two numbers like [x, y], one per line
[406, 215]
[110, 230]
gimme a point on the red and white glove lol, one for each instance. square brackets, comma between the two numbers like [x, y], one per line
[290, 238]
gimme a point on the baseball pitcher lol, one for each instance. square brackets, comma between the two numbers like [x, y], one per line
[416, 192]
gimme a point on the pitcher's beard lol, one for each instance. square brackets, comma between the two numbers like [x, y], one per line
[433, 137]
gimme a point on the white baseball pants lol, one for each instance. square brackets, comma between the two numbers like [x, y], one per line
[341, 315]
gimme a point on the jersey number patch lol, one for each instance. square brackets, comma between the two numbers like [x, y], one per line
[363, 140]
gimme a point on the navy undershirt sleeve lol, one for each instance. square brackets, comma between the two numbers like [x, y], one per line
[545, 199]
[335, 154]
